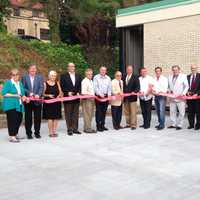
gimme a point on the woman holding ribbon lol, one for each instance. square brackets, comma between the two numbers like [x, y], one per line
[13, 98]
[52, 110]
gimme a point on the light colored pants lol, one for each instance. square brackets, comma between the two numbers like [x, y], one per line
[130, 111]
[88, 112]
[177, 118]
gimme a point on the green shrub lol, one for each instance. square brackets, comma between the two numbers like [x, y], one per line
[59, 55]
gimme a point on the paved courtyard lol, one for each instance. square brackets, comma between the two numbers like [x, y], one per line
[114, 165]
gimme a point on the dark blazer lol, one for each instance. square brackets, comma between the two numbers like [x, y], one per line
[133, 86]
[67, 85]
[197, 84]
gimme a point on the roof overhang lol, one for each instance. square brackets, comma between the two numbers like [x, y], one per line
[136, 15]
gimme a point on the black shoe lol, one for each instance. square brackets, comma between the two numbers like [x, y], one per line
[120, 127]
[160, 128]
[90, 131]
[76, 132]
[190, 127]
[70, 132]
[100, 130]
[38, 136]
[157, 126]
[133, 128]
[104, 128]
[142, 126]
[178, 128]
[196, 128]
[171, 127]
[146, 127]
[29, 137]
[116, 128]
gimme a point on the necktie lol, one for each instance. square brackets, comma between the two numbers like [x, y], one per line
[193, 83]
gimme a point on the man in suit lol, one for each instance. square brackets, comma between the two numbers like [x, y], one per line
[194, 105]
[131, 84]
[71, 86]
[178, 86]
[34, 86]
[116, 105]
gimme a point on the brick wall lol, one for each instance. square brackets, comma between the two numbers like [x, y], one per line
[172, 42]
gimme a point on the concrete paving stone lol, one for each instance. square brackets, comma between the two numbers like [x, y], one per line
[113, 165]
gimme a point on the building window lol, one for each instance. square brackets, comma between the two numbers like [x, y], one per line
[44, 34]
[20, 32]
[16, 12]
[35, 13]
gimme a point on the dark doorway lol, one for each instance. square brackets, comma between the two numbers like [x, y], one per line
[131, 47]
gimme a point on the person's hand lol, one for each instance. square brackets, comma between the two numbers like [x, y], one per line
[27, 100]
[51, 96]
[24, 98]
[70, 93]
[102, 96]
[37, 96]
[31, 94]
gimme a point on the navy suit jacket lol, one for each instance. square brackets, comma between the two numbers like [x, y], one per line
[38, 85]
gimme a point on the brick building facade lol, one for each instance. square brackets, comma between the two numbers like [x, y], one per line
[160, 34]
[28, 19]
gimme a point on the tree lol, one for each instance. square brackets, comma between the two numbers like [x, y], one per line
[127, 3]
[4, 13]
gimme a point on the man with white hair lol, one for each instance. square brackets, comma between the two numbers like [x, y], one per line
[70, 83]
[178, 86]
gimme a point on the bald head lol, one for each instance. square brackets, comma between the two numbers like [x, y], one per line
[194, 68]
[71, 67]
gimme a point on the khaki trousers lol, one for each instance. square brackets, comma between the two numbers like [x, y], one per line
[88, 112]
[130, 111]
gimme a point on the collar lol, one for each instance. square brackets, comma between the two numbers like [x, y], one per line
[14, 82]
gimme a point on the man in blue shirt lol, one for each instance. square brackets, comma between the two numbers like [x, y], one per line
[102, 89]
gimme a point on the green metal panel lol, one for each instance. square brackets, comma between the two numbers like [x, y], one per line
[154, 6]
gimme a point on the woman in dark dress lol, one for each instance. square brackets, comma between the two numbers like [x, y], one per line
[52, 111]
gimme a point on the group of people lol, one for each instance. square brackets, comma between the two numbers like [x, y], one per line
[18, 96]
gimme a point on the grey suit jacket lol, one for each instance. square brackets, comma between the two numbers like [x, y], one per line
[38, 85]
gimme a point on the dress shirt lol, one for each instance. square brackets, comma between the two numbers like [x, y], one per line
[161, 84]
[72, 76]
[32, 81]
[87, 86]
[102, 85]
[128, 77]
[145, 83]
[17, 86]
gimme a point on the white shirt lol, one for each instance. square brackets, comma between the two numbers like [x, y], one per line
[17, 85]
[145, 84]
[87, 87]
[32, 81]
[72, 76]
[161, 84]
[128, 77]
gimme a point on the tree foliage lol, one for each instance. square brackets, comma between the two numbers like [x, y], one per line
[4, 12]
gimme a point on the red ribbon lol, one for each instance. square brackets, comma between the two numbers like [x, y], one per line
[109, 98]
